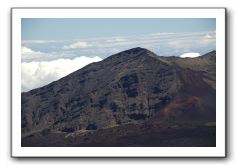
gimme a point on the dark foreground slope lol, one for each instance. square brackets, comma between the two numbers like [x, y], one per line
[134, 98]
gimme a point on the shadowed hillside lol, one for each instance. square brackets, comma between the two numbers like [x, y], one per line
[134, 97]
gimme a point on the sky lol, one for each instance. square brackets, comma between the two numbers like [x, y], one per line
[67, 29]
[53, 48]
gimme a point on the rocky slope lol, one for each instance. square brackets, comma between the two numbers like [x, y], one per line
[130, 87]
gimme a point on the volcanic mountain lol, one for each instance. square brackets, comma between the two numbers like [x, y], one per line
[122, 96]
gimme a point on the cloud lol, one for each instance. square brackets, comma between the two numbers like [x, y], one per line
[208, 36]
[211, 35]
[36, 74]
[191, 55]
[116, 39]
[30, 55]
[25, 50]
[77, 45]
[161, 34]
[27, 53]
[164, 44]
[37, 41]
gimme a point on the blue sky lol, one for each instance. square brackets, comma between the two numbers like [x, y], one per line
[53, 48]
[66, 29]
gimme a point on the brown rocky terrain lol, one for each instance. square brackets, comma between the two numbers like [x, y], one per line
[130, 97]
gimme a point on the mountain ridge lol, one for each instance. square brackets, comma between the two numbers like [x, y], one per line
[132, 86]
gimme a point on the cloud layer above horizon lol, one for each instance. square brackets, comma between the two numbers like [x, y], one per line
[164, 44]
[44, 61]
[39, 73]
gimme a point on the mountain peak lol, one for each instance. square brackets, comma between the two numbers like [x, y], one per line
[137, 50]
[132, 53]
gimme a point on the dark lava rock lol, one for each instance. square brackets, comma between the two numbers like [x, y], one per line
[132, 86]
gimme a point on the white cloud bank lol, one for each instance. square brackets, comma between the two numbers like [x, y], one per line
[116, 39]
[36, 74]
[191, 55]
[25, 50]
[29, 54]
[76, 45]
